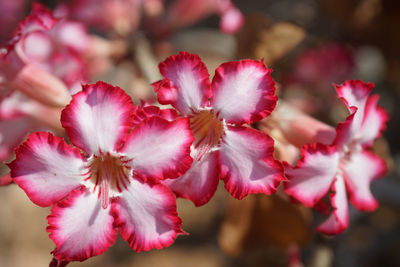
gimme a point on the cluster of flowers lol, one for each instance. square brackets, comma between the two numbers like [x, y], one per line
[126, 163]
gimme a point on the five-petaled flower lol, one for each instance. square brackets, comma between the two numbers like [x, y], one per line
[346, 163]
[241, 92]
[110, 180]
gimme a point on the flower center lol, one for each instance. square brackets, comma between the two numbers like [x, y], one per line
[109, 174]
[208, 130]
[351, 148]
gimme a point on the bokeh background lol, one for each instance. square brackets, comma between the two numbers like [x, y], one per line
[310, 45]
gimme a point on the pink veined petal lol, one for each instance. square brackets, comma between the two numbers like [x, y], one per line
[247, 164]
[200, 182]
[187, 84]
[12, 133]
[47, 168]
[359, 171]
[80, 227]
[374, 122]
[355, 94]
[243, 91]
[160, 149]
[338, 221]
[311, 179]
[146, 216]
[98, 117]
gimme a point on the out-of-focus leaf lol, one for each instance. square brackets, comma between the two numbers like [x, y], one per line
[278, 40]
[262, 38]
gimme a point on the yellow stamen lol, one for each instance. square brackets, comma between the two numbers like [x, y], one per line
[110, 172]
[207, 129]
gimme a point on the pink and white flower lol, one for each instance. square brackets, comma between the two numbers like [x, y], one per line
[346, 164]
[110, 180]
[241, 92]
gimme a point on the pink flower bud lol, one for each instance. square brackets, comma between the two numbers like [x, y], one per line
[41, 86]
[300, 129]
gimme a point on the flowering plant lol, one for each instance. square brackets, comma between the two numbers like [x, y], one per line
[106, 165]
[116, 185]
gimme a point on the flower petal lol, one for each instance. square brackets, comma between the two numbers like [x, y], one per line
[146, 216]
[186, 85]
[37, 46]
[359, 172]
[98, 117]
[40, 18]
[338, 221]
[47, 168]
[345, 130]
[80, 227]
[354, 94]
[311, 179]
[291, 122]
[200, 182]
[247, 164]
[142, 113]
[72, 35]
[44, 14]
[160, 149]
[244, 91]
[374, 122]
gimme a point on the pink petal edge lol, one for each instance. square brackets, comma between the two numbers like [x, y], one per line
[200, 182]
[338, 221]
[160, 149]
[47, 168]
[80, 227]
[98, 118]
[186, 85]
[318, 177]
[243, 91]
[247, 163]
[364, 168]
